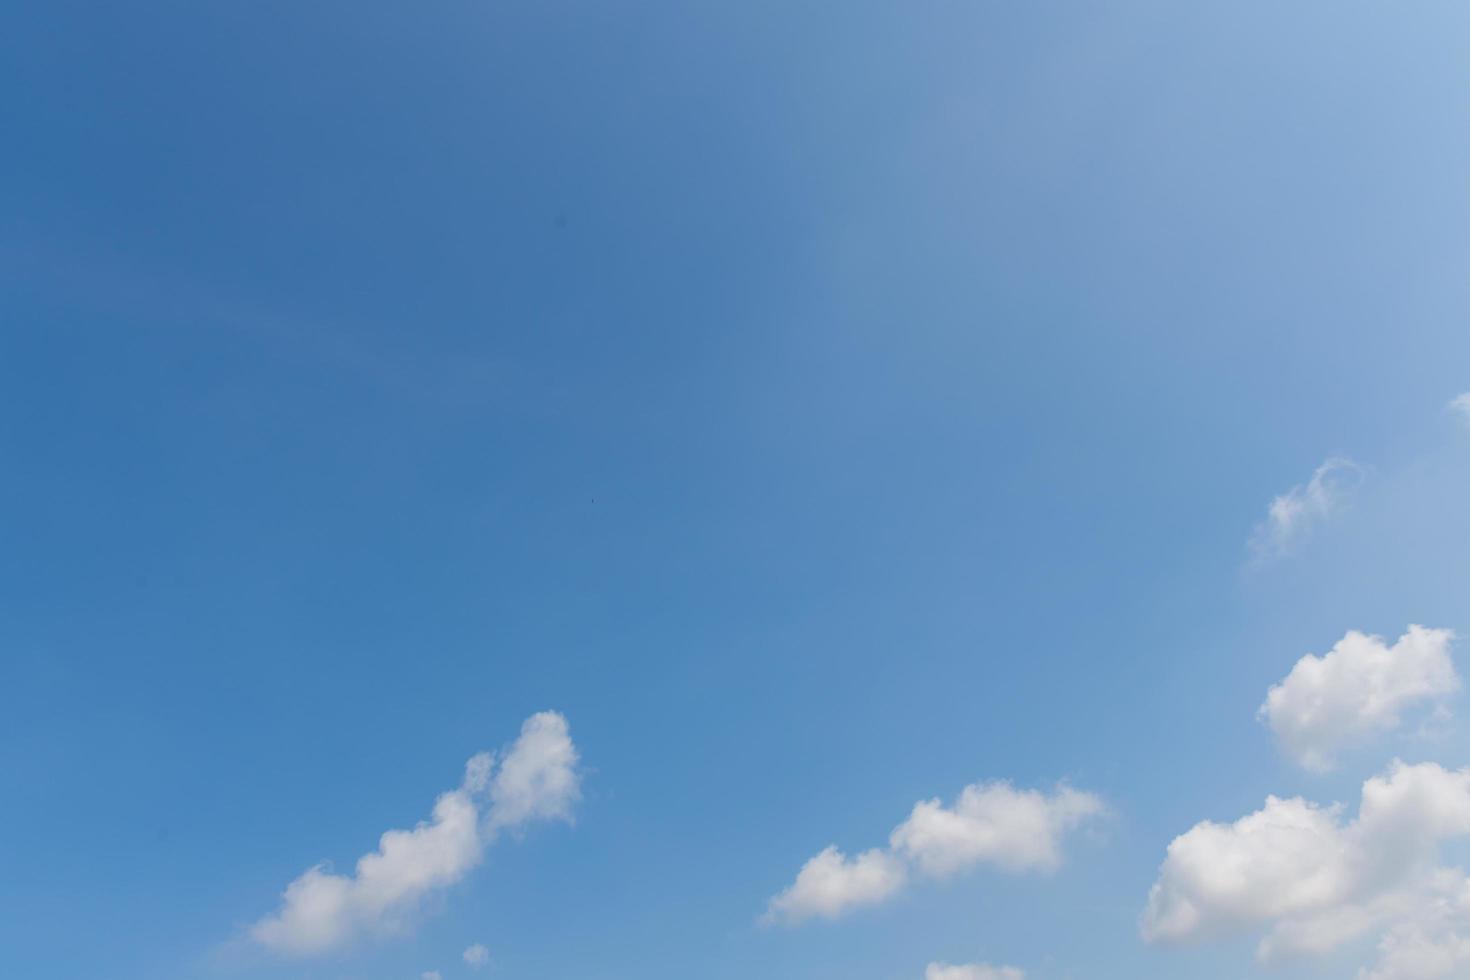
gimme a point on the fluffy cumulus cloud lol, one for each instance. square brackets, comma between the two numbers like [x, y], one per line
[477, 956]
[1309, 880]
[972, 971]
[832, 884]
[538, 778]
[1360, 688]
[431, 975]
[993, 823]
[1295, 514]
[322, 910]
[990, 824]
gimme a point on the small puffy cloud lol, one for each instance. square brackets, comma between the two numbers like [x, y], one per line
[1312, 881]
[989, 824]
[972, 971]
[831, 884]
[1460, 405]
[1360, 688]
[431, 975]
[477, 956]
[1295, 514]
[993, 823]
[322, 910]
[538, 778]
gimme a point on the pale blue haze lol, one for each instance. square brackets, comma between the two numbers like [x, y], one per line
[824, 406]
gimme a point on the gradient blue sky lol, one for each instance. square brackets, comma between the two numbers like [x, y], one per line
[823, 406]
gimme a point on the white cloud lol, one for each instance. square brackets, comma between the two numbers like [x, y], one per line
[991, 823]
[1460, 405]
[431, 975]
[972, 971]
[1360, 688]
[1433, 943]
[831, 884]
[538, 777]
[1296, 513]
[321, 910]
[1313, 881]
[477, 956]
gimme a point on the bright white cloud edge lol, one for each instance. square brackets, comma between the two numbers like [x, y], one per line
[1312, 881]
[1360, 688]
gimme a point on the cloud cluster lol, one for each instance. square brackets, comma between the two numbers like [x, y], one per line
[989, 824]
[1293, 515]
[972, 971]
[1313, 881]
[477, 956]
[1361, 687]
[321, 910]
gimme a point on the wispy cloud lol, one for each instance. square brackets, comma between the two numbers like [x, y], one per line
[1295, 514]
[1460, 405]
[972, 971]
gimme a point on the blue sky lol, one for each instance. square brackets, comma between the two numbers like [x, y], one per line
[820, 409]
